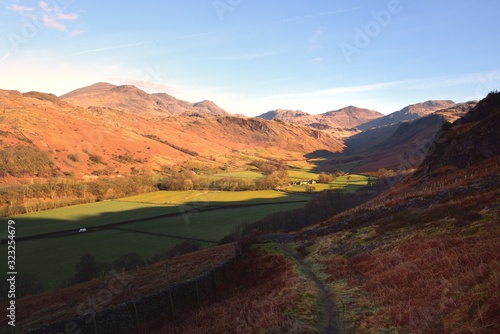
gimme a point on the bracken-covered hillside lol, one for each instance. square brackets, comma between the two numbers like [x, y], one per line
[123, 137]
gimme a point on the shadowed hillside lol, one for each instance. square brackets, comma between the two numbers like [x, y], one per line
[422, 256]
[469, 140]
[409, 113]
[403, 145]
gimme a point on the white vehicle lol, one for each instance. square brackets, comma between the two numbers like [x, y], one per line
[82, 230]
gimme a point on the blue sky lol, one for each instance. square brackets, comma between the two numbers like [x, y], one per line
[251, 56]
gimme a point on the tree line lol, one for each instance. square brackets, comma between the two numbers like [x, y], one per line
[52, 192]
[275, 175]
[59, 192]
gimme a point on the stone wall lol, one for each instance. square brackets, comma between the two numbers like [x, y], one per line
[168, 302]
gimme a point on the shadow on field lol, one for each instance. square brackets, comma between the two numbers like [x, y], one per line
[49, 243]
[32, 228]
[327, 161]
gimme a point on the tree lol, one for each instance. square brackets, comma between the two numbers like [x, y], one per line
[325, 178]
[268, 167]
[184, 247]
[128, 261]
[310, 189]
[86, 269]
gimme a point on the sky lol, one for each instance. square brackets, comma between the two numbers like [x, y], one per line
[252, 56]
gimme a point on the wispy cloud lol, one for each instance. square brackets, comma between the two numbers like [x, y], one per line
[318, 60]
[51, 16]
[142, 43]
[20, 9]
[411, 84]
[115, 47]
[312, 16]
[450, 81]
[337, 90]
[146, 85]
[203, 34]
[252, 55]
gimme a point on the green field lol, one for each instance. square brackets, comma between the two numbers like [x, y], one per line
[349, 183]
[137, 207]
[84, 215]
[302, 174]
[353, 179]
[316, 187]
[213, 197]
[54, 259]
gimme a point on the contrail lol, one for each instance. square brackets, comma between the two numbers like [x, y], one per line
[115, 47]
[5, 56]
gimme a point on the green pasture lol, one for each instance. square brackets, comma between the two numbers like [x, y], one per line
[302, 174]
[84, 215]
[136, 207]
[196, 197]
[350, 179]
[349, 183]
[54, 259]
[317, 187]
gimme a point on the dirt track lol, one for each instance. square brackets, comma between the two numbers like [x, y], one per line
[327, 300]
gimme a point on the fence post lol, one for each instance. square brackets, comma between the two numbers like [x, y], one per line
[171, 301]
[197, 291]
[169, 289]
[133, 303]
[213, 273]
[95, 315]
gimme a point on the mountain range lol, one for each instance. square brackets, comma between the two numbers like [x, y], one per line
[340, 122]
[111, 130]
[104, 129]
[133, 99]
[359, 118]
